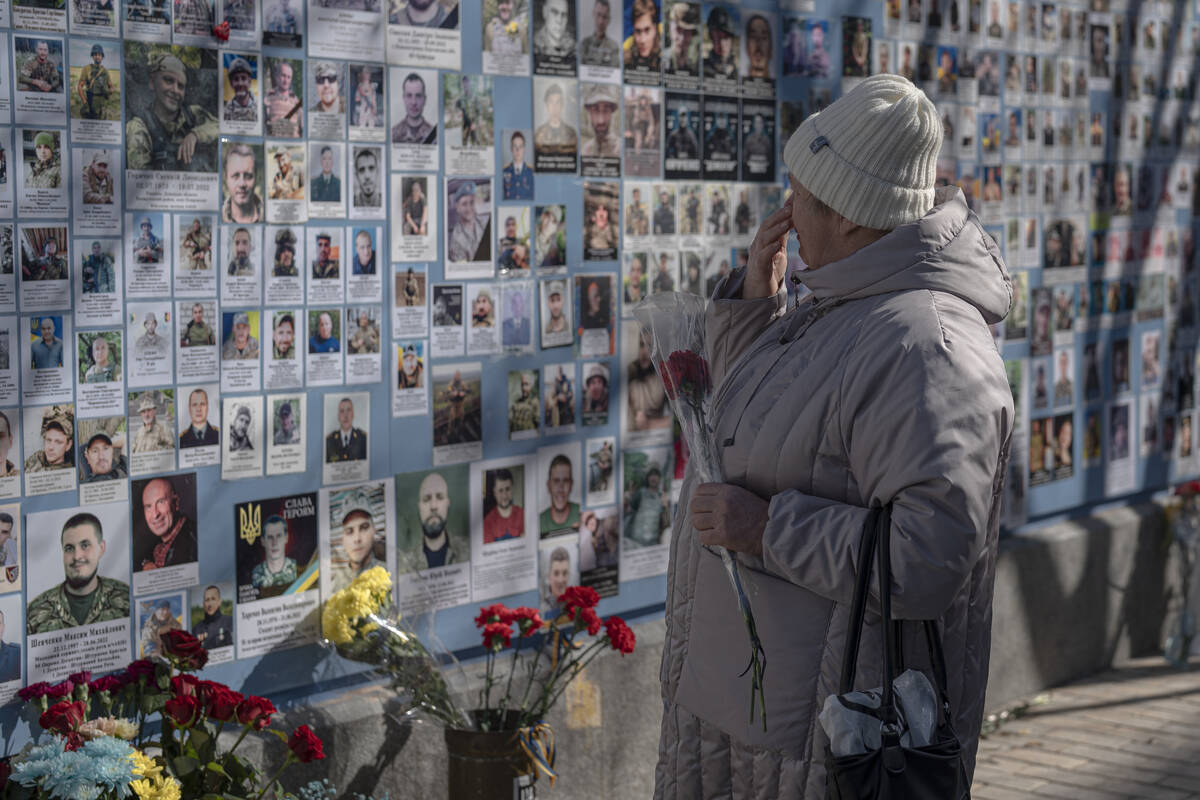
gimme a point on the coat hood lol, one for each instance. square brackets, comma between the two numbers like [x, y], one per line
[947, 250]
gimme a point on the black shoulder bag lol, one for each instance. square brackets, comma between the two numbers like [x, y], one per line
[893, 772]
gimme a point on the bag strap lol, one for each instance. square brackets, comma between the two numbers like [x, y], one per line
[883, 550]
[858, 607]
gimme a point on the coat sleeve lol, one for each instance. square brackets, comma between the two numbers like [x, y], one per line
[732, 323]
[925, 428]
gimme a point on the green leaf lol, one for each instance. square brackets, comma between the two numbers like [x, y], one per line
[213, 766]
[185, 765]
[283, 737]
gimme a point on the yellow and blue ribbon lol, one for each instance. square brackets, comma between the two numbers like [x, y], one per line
[537, 740]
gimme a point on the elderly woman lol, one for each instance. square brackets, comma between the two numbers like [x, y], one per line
[883, 387]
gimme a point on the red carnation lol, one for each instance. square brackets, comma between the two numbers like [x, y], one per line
[496, 612]
[528, 620]
[590, 619]
[109, 683]
[497, 636]
[1188, 489]
[60, 690]
[221, 31]
[182, 710]
[619, 635]
[64, 717]
[80, 677]
[221, 703]
[581, 596]
[34, 691]
[306, 745]
[184, 685]
[184, 649]
[255, 710]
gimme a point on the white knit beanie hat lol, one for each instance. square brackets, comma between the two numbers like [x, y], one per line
[871, 156]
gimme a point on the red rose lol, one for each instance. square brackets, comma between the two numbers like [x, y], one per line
[528, 620]
[109, 683]
[184, 649]
[139, 670]
[496, 612]
[687, 373]
[221, 703]
[619, 635]
[306, 745]
[497, 636]
[182, 710]
[184, 685]
[256, 711]
[63, 717]
[34, 691]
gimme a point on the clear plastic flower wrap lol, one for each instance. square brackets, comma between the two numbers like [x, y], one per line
[362, 624]
[673, 325]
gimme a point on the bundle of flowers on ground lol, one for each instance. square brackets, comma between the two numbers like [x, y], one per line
[362, 625]
[97, 743]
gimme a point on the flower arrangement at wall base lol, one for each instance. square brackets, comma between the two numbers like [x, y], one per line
[501, 743]
[96, 742]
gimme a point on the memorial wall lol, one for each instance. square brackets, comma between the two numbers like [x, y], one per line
[290, 291]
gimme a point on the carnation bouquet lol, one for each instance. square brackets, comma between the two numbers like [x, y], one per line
[97, 744]
[673, 324]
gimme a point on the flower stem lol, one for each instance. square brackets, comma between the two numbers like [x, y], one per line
[511, 672]
[290, 758]
[245, 730]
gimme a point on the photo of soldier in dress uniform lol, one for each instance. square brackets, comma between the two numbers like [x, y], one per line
[554, 38]
[170, 119]
[239, 94]
[283, 100]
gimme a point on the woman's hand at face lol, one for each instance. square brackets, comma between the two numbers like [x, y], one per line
[767, 263]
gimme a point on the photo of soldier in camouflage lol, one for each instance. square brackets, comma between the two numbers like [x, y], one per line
[97, 89]
[171, 122]
[84, 596]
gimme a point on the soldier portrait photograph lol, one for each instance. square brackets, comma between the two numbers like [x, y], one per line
[418, 104]
[148, 245]
[364, 252]
[326, 264]
[164, 521]
[241, 183]
[94, 585]
[170, 119]
[328, 80]
[44, 254]
[150, 433]
[197, 331]
[600, 139]
[212, 618]
[326, 327]
[643, 46]
[366, 96]
[103, 452]
[96, 85]
[441, 14]
[368, 193]
[365, 338]
[523, 408]
[193, 18]
[201, 431]
[506, 35]
[43, 159]
[195, 246]
[555, 140]
[345, 441]
[38, 64]
[598, 48]
[97, 273]
[46, 348]
[284, 108]
[517, 174]
[554, 37]
[681, 40]
[97, 184]
[239, 92]
[150, 343]
[411, 374]
[325, 164]
[100, 357]
[285, 260]
[469, 220]
[240, 343]
[358, 532]
[467, 110]
[433, 510]
[285, 172]
[286, 426]
[49, 438]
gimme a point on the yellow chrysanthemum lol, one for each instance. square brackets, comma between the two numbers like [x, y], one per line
[144, 766]
[343, 611]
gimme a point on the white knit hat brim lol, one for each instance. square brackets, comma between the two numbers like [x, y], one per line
[872, 155]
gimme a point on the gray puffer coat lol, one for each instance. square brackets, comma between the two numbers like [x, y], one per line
[885, 386]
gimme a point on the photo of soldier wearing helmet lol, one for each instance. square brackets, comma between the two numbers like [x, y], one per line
[96, 85]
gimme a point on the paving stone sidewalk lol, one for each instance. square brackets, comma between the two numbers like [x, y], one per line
[1133, 732]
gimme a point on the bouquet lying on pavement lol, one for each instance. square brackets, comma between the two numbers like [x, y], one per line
[673, 325]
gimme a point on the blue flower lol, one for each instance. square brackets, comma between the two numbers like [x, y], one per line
[99, 767]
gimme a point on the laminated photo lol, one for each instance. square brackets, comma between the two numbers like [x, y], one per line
[641, 50]
[558, 329]
[148, 254]
[682, 131]
[555, 141]
[635, 283]
[342, 28]
[366, 91]
[595, 302]
[506, 37]
[10, 469]
[103, 458]
[88, 548]
[457, 413]
[415, 116]
[410, 317]
[38, 71]
[286, 451]
[433, 538]
[7, 182]
[720, 124]
[599, 49]
[325, 281]
[95, 85]
[364, 282]
[324, 359]
[681, 45]
[663, 220]
[42, 189]
[47, 360]
[12, 543]
[284, 364]
[326, 165]
[554, 28]
[758, 141]
[147, 22]
[195, 256]
[193, 21]
[410, 394]
[49, 448]
[645, 415]
[357, 532]
[241, 111]
[720, 50]
[503, 525]
[176, 171]
[448, 336]
[517, 176]
[665, 271]
[513, 248]
[414, 230]
[198, 350]
[151, 422]
[524, 417]
[468, 232]
[601, 145]
[283, 100]
[285, 183]
[165, 534]
[242, 16]
[483, 335]
[286, 250]
[645, 514]
[94, 194]
[210, 618]
[242, 450]
[601, 221]
[468, 124]
[98, 290]
[368, 167]
[199, 431]
[558, 396]
[101, 374]
[278, 564]
[691, 213]
[559, 496]
[643, 132]
[516, 312]
[242, 257]
[424, 33]
[601, 480]
[550, 239]
[364, 362]
[596, 382]
[45, 268]
[283, 24]
[9, 358]
[558, 568]
[756, 65]
[240, 337]
[600, 550]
